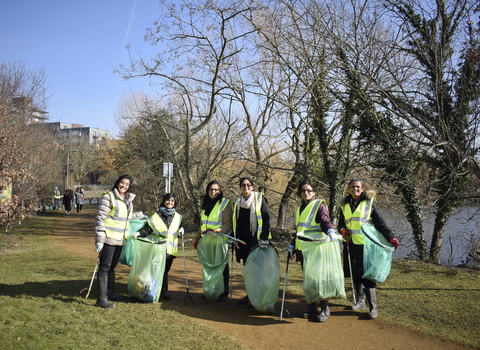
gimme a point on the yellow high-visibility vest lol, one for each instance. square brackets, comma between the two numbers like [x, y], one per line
[214, 220]
[306, 222]
[355, 220]
[170, 233]
[116, 224]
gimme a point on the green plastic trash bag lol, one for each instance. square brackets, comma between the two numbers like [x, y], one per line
[146, 276]
[262, 278]
[212, 251]
[322, 271]
[377, 255]
[128, 250]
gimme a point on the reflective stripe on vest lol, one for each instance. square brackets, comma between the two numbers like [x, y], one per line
[355, 220]
[171, 233]
[214, 220]
[258, 199]
[306, 222]
[116, 224]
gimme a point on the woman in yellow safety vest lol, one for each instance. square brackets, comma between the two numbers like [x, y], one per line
[216, 215]
[111, 225]
[312, 220]
[251, 222]
[358, 208]
[165, 222]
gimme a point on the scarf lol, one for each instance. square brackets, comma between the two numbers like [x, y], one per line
[166, 211]
[249, 203]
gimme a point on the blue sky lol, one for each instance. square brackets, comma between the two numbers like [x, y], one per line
[79, 43]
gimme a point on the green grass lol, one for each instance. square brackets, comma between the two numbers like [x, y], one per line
[40, 304]
[41, 307]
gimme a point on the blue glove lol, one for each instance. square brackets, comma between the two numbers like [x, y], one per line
[331, 233]
[264, 243]
[290, 250]
[98, 246]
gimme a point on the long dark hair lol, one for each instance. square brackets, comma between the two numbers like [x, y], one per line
[207, 202]
[128, 177]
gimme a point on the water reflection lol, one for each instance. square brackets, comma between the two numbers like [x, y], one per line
[462, 228]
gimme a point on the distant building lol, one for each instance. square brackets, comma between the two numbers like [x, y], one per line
[78, 131]
[23, 107]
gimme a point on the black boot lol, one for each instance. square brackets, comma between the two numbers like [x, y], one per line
[164, 293]
[111, 288]
[360, 304]
[371, 295]
[102, 300]
[312, 311]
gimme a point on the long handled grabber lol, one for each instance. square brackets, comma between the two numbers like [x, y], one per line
[345, 234]
[93, 277]
[222, 234]
[185, 268]
[231, 271]
[284, 286]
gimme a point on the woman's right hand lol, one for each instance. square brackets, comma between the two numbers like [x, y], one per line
[98, 246]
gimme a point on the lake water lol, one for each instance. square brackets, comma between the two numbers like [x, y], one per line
[462, 228]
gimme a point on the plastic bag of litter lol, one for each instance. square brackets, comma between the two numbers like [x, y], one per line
[212, 251]
[146, 276]
[322, 271]
[262, 278]
[377, 254]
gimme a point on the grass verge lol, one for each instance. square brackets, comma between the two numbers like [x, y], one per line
[42, 309]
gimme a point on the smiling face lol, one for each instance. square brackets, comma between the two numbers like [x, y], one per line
[307, 193]
[246, 188]
[123, 186]
[214, 191]
[355, 189]
[169, 203]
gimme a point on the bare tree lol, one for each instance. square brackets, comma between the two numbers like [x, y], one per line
[22, 97]
[429, 96]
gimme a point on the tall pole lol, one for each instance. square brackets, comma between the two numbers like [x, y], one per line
[168, 174]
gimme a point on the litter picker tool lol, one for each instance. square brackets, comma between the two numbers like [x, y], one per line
[345, 231]
[284, 286]
[222, 234]
[231, 271]
[181, 232]
[93, 277]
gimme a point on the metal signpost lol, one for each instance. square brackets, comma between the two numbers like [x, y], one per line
[168, 174]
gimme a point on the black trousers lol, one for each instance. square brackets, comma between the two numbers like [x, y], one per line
[356, 257]
[108, 259]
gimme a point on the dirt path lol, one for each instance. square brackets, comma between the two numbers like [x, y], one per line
[343, 330]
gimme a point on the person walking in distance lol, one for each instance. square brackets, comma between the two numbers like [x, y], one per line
[67, 201]
[79, 197]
